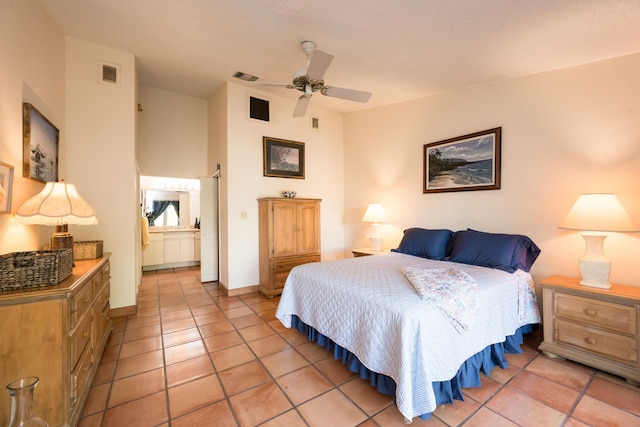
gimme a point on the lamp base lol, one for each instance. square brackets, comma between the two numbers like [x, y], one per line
[375, 243]
[61, 238]
[594, 267]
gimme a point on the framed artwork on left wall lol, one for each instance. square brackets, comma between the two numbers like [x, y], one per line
[40, 145]
[6, 185]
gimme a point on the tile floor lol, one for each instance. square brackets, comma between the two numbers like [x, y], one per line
[192, 357]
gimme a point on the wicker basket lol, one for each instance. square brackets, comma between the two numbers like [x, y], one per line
[89, 249]
[34, 269]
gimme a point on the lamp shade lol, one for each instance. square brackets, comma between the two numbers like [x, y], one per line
[598, 212]
[57, 204]
[375, 213]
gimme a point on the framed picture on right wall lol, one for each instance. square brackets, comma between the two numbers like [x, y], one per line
[465, 163]
[6, 186]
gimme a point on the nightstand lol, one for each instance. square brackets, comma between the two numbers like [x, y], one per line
[596, 327]
[367, 251]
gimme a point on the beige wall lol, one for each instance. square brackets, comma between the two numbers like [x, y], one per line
[565, 132]
[244, 180]
[101, 129]
[172, 134]
[32, 52]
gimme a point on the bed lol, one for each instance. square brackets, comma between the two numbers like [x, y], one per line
[422, 321]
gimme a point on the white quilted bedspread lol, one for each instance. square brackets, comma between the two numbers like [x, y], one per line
[367, 306]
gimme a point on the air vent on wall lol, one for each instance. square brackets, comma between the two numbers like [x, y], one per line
[258, 109]
[108, 74]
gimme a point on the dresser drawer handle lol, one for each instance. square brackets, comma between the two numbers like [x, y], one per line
[591, 341]
[590, 311]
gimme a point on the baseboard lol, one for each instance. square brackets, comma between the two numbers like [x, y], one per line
[123, 311]
[238, 291]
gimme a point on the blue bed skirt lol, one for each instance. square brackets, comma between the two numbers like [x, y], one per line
[468, 375]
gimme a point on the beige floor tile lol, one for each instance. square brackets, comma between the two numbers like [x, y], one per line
[195, 394]
[255, 332]
[182, 352]
[144, 345]
[455, 413]
[181, 337]
[523, 410]
[597, 413]
[366, 396]
[485, 417]
[560, 372]
[623, 396]
[288, 419]
[259, 404]
[189, 370]
[268, 345]
[232, 356]
[342, 412]
[243, 377]
[222, 341]
[284, 362]
[218, 414]
[548, 392]
[146, 412]
[304, 384]
[216, 329]
[136, 386]
[335, 370]
[138, 364]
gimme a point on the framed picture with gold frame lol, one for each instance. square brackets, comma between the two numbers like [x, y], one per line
[283, 158]
[6, 186]
[40, 145]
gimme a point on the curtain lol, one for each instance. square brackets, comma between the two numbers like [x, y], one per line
[159, 206]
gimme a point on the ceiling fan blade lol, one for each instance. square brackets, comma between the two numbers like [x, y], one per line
[318, 65]
[350, 94]
[285, 85]
[301, 105]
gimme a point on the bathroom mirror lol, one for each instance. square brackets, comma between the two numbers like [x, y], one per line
[170, 202]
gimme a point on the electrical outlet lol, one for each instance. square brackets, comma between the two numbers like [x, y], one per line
[243, 215]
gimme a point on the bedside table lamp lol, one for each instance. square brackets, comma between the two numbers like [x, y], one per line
[375, 214]
[58, 204]
[597, 214]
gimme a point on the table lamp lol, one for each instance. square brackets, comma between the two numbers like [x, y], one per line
[58, 204]
[597, 214]
[375, 214]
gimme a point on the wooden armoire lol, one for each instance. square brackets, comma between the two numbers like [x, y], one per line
[289, 236]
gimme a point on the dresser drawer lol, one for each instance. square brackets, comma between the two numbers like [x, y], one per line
[619, 347]
[96, 284]
[612, 316]
[79, 338]
[80, 375]
[80, 303]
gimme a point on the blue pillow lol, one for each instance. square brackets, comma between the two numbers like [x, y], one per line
[425, 243]
[508, 252]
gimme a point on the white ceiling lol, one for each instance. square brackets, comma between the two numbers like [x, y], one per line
[397, 49]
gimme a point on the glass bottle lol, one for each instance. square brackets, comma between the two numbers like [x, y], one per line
[21, 403]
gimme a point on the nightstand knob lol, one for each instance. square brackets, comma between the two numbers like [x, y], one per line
[590, 311]
[591, 341]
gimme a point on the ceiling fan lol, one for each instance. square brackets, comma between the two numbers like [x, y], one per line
[310, 80]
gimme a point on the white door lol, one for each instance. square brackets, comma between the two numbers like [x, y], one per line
[208, 229]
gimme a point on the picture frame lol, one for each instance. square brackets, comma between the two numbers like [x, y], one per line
[6, 187]
[40, 145]
[283, 158]
[465, 163]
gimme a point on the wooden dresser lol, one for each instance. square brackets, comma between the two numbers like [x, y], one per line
[596, 327]
[56, 333]
[289, 236]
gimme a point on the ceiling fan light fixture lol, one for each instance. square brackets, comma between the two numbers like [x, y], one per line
[244, 76]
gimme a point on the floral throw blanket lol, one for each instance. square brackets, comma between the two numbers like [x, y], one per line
[453, 291]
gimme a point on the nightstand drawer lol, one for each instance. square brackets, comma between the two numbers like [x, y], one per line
[615, 317]
[619, 347]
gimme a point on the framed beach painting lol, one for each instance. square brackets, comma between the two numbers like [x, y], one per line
[282, 158]
[468, 162]
[40, 145]
[6, 186]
